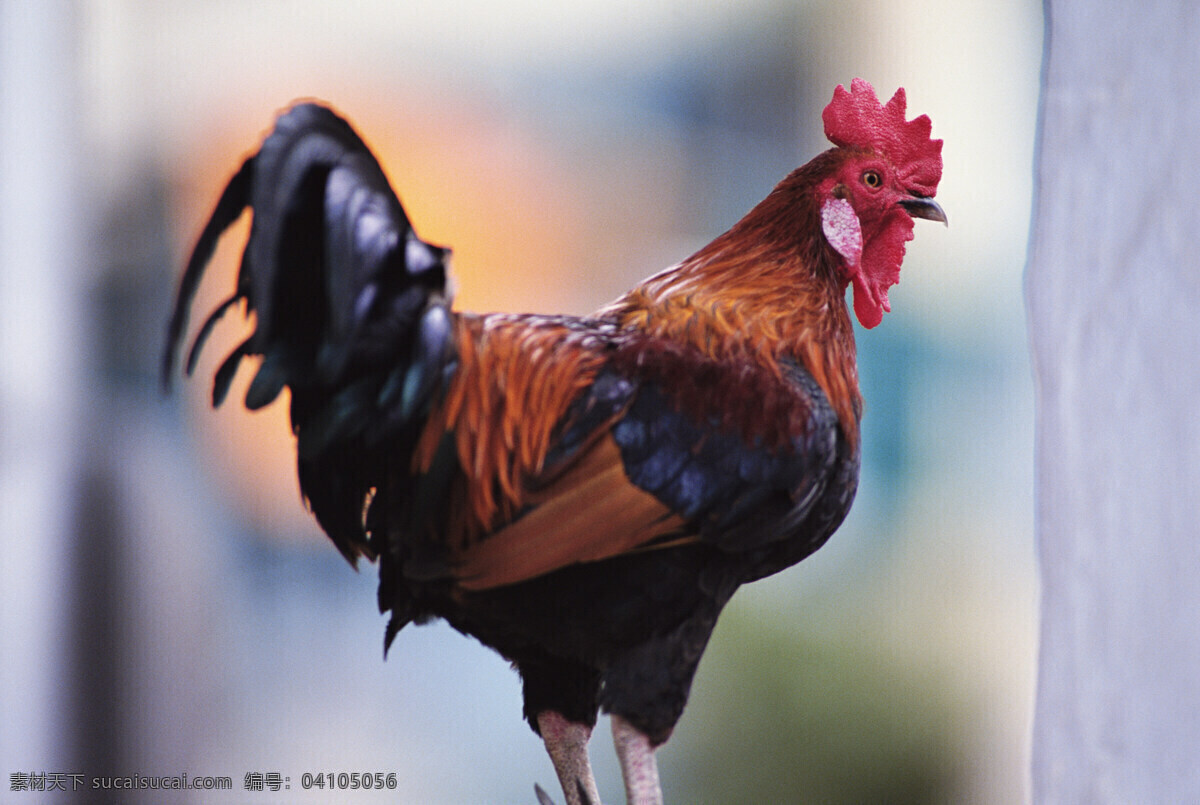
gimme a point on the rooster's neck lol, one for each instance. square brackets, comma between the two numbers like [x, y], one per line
[766, 299]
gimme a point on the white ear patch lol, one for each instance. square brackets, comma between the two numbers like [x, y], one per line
[842, 230]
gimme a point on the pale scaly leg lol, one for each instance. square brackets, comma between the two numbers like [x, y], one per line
[638, 765]
[566, 743]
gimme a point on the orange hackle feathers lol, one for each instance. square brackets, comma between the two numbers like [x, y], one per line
[765, 291]
[516, 377]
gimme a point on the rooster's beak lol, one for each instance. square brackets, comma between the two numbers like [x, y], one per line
[927, 208]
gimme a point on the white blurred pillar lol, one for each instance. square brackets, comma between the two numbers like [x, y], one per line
[41, 274]
[1113, 289]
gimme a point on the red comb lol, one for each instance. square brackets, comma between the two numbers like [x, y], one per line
[856, 119]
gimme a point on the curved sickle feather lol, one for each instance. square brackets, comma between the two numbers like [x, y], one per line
[229, 208]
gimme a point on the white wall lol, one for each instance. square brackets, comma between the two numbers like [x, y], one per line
[1112, 288]
[41, 234]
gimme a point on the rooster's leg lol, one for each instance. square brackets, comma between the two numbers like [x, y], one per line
[566, 743]
[638, 765]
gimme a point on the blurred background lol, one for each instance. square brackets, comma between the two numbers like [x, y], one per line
[167, 607]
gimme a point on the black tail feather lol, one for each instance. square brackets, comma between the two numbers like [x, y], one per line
[223, 379]
[229, 208]
[350, 307]
[202, 335]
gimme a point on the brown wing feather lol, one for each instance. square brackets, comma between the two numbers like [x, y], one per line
[590, 512]
[516, 377]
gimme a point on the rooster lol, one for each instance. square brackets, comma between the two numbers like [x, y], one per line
[582, 494]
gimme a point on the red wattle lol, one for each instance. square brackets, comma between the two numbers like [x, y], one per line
[866, 305]
[883, 252]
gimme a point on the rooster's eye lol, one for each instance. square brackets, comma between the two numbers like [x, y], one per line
[872, 179]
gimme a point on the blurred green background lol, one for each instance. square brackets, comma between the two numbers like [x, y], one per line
[197, 620]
